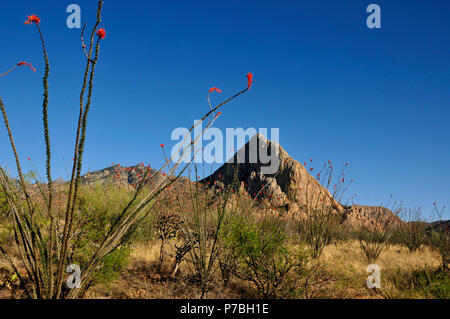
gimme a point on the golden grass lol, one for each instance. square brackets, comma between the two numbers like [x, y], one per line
[344, 261]
[348, 255]
[347, 260]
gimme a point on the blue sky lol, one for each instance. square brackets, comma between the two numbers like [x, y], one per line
[378, 99]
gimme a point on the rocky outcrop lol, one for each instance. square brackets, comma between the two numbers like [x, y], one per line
[370, 216]
[439, 226]
[291, 186]
[118, 175]
[128, 177]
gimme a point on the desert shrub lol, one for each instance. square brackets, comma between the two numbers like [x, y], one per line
[413, 234]
[144, 231]
[440, 238]
[320, 219]
[423, 283]
[203, 218]
[5, 229]
[261, 255]
[375, 236]
[440, 242]
[318, 230]
[167, 226]
[3, 204]
[97, 212]
[372, 243]
[113, 264]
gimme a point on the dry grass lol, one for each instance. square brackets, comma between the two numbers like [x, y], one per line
[347, 259]
[340, 271]
[140, 280]
[348, 255]
[343, 262]
[343, 265]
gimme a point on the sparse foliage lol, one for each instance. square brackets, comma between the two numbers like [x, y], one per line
[261, 255]
[375, 237]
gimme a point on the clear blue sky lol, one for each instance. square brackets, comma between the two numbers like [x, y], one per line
[378, 99]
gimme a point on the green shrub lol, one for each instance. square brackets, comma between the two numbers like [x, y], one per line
[413, 234]
[372, 243]
[113, 264]
[3, 204]
[97, 212]
[261, 255]
[440, 242]
[319, 229]
[422, 283]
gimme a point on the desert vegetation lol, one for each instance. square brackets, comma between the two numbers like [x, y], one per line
[159, 234]
[199, 241]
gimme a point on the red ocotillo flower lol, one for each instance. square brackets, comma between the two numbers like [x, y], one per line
[249, 80]
[162, 145]
[22, 63]
[215, 89]
[101, 33]
[33, 18]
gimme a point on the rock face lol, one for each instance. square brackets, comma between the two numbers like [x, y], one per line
[439, 226]
[117, 175]
[370, 216]
[291, 186]
[126, 176]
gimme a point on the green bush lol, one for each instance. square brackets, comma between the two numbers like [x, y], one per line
[97, 212]
[423, 283]
[440, 242]
[261, 255]
[319, 229]
[113, 264]
[3, 204]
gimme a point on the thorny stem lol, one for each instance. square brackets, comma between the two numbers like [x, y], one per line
[10, 70]
[45, 120]
[81, 129]
[32, 249]
[48, 159]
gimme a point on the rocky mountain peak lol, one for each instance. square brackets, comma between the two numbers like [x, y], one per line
[291, 185]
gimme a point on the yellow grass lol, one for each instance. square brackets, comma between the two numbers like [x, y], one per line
[348, 255]
[343, 261]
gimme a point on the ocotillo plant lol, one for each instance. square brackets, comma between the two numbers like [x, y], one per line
[45, 241]
[321, 214]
